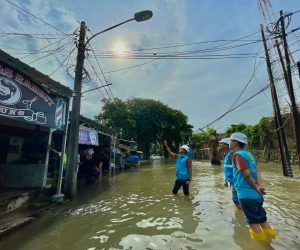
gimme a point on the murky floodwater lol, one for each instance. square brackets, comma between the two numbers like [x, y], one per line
[136, 210]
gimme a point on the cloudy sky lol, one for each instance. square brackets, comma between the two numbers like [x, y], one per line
[202, 57]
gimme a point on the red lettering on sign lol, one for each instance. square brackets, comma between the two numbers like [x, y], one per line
[19, 78]
[9, 73]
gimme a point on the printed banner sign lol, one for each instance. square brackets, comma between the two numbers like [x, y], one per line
[88, 136]
[23, 100]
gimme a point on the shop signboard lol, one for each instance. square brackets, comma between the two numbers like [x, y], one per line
[24, 100]
[88, 136]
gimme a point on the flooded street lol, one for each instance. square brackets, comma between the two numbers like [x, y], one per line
[136, 210]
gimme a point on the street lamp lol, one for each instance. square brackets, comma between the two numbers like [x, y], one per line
[71, 177]
[139, 17]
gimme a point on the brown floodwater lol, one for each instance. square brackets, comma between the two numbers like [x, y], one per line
[136, 210]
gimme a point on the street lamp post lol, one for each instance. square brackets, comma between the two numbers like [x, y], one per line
[71, 176]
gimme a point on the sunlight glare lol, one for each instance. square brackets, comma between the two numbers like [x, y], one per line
[119, 48]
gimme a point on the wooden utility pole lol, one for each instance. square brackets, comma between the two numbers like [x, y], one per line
[295, 112]
[71, 176]
[285, 157]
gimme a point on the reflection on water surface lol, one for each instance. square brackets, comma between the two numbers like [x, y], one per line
[136, 210]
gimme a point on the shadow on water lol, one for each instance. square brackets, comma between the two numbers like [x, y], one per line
[135, 209]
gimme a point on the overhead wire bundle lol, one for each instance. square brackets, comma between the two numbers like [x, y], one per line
[275, 32]
[62, 47]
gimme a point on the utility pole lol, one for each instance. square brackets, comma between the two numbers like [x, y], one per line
[283, 66]
[71, 181]
[71, 176]
[298, 65]
[285, 157]
[295, 112]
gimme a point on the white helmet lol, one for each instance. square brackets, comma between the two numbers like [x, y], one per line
[240, 137]
[225, 141]
[185, 147]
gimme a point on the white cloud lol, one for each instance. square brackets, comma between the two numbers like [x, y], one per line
[202, 89]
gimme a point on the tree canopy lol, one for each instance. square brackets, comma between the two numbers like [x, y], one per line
[146, 121]
[259, 135]
[202, 137]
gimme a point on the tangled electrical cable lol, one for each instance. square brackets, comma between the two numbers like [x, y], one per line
[275, 29]
[85, 74]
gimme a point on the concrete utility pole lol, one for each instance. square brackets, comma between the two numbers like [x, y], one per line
[71, 180]
[71, 175]
[284, 152]
[282, 65]
[295, 112]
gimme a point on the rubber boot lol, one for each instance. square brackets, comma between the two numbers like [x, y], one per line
[270, 231]
[257, 236]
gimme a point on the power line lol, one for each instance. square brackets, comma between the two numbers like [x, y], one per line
[247, 84]
[253, 106]
[102, 73]
[250, 107]
[31, 34]
[228, 41]
[232, 109]
[36, 36]
[26, 11]
[51, 53]
[162, 57]
[135, 66]
[159, 56]
[294, 12]
[97, 76]
[39, 50]
[178, 57]
[268, 99]
[176, 53]
[212, 49]
[62, 64]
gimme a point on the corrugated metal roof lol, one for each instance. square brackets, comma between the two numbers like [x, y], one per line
[45, 81]
[93, 124]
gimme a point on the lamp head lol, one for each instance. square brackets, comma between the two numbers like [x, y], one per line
[143, 15]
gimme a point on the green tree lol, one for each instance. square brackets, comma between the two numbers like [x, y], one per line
[117, 116]
[202, 137]
[156, 149]
[267, 127]
[258, 135]
[254, 134]
[241, 127]
[146, 121]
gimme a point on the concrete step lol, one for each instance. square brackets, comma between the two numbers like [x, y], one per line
[12, 203]
[18, 209]
[14, 224]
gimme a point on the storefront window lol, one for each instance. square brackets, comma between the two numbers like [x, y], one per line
[23, 148]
